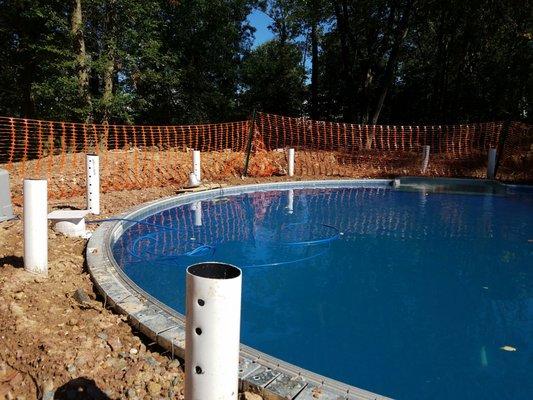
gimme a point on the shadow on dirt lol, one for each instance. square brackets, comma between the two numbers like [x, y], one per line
[80, 389]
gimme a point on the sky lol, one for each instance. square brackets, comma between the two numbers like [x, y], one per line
[260, 21]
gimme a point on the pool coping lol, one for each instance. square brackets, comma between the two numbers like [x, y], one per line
[258, 372]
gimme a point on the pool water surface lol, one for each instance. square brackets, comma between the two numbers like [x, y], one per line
[408, 294]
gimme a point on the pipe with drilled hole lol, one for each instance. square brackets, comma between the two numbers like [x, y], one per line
[212, 331]
[93, 183]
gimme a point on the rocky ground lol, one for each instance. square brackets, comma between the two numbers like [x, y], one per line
[57, 341]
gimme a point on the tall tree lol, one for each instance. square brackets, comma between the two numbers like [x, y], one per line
[273, 79]
[400, 32]
[82, 64]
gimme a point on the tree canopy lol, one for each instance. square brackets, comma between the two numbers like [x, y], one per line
[364, 61]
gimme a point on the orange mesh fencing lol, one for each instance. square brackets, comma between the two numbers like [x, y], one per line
[516, 153]
[131, 157]
[135, 157]
[352, 150]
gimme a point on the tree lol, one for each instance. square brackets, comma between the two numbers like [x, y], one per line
[37, 64]
[371, 61]
[82, 62]
[273, 79]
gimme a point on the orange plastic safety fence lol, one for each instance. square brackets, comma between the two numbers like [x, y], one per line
[144, 156]
[131, 156]
[340, 149]
[305, 134]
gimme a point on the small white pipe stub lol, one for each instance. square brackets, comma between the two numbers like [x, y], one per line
[212, 333]
[196, 166]
[291, 162]
[193, 180]
[425, 158]
[491, 164]
[35, 226]
[93, 183]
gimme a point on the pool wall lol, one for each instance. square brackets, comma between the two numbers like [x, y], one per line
[258, 372]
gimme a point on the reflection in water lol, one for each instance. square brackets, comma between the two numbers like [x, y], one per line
[409, 294]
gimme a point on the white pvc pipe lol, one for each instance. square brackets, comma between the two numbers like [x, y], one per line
[491, 164]
[36, 226]
[425, 158]
[193, 180]
[196, 168]
[197, 208]
[93, 183]
[291, 162]
[212, 332]
[290, 201]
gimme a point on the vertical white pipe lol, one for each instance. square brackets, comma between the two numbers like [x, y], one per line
[491, 164]
[93, 183]
[196, 168]
[425, 158]
[212, 333]
[197, 208]
[291, 162]
[36, 226]
[290, 201]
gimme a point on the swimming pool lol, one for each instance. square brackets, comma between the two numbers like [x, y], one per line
[407, 293]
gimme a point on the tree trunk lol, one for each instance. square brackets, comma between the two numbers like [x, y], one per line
[26, 81]
[82, 67]
[109, 64]
[314, 70]
[340, 16]
[389, 75]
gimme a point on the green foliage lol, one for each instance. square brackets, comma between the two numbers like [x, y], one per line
[160, 61]
[460, 61]
[273, 79]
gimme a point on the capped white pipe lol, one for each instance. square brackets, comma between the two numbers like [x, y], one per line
[212, 331]
[291, 162]
[290, 201]
[36, 226]
[197, 208]
[196, 167]
[425, 158]
[93, 183]
[491, 164]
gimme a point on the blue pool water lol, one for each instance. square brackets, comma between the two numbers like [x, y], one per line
[403, 293]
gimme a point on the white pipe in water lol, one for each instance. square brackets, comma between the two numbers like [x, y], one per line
[212, 334]
[196, 167]
[425, 158]
[291, 162]
[93, 183]
[36, 226]
[197, 208]
[290, 201]
[491, 164]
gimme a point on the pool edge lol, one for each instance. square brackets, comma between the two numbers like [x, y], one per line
[271, 377]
